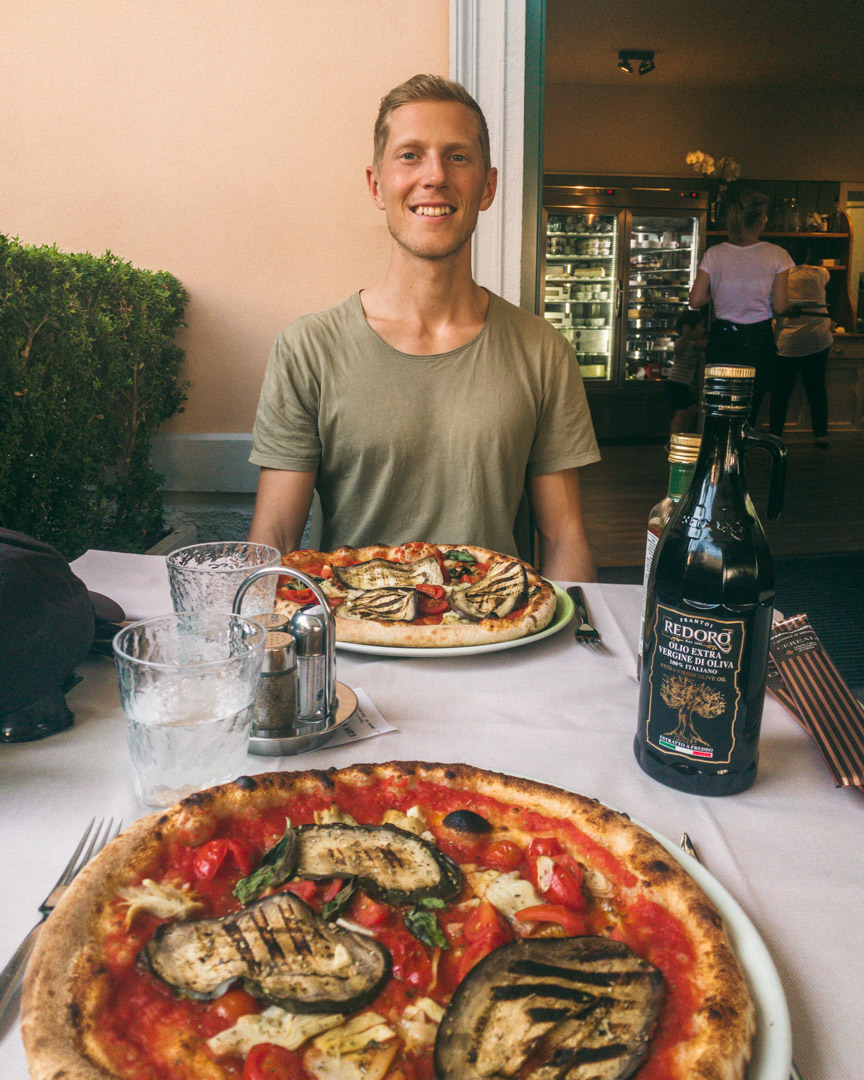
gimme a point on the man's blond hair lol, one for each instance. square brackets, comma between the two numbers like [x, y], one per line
[427, 88]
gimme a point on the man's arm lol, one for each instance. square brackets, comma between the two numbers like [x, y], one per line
[563, 553]
[281, 508]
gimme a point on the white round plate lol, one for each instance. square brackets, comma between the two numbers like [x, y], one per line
[563, 614]
[772, 1047]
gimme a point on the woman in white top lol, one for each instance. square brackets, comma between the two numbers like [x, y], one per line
[803, 342]
[747, 280]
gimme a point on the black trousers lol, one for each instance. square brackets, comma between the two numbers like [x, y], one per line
[812, 369]
[745, 345]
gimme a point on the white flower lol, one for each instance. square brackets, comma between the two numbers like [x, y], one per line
[724, 167]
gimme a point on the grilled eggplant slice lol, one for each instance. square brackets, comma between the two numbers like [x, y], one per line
[280, 950]
[383, 574]
[495, 595]
[579, 1008]
[390, 605]
[391, 863]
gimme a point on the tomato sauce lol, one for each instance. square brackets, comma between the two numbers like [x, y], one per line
[140, 1025]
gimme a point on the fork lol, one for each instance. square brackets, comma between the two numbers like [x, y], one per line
[90, 844]
[586, 634]
[687, 845]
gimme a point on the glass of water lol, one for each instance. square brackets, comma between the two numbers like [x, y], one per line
[187, 685]
[206, 577]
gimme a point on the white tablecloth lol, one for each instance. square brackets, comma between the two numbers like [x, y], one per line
[789, 849]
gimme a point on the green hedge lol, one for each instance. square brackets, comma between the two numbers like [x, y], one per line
[88, 372]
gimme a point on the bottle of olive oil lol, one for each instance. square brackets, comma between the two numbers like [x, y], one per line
[709, 604]
[683, 451]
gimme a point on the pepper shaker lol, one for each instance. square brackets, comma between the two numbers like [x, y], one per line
[314, 632]
[276, 700]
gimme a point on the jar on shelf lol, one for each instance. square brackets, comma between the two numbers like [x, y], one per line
[793, 218]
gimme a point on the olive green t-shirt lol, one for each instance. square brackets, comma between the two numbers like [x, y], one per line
[410, 447]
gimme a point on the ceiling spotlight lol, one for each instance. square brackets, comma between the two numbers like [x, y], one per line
[644, 56]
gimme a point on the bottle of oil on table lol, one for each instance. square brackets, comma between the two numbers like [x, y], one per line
[710, 599]
[683, 451]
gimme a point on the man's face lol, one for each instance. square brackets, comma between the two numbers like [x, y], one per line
[431, 181]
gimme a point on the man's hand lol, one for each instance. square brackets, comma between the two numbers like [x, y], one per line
[281, 508]
[564, 553]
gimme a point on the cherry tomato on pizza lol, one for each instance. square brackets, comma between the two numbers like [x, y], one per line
[226, 1010]
[501, 855]
[484, 921]
[266, 1061]
[557, 914]
[209, 858]
[564, 888]
[428, 605]
[366, 911]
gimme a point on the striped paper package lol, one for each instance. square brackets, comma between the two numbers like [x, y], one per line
[814, 691]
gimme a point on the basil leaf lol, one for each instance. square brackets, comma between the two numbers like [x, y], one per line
[424, 926]
[458, 555]
[277, 866]
[340, 901]
[432, 902]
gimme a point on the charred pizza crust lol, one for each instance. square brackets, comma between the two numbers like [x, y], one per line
[537, 613]
[66, 978]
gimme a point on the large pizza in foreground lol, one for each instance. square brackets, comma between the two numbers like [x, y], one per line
[385, 922]
[422, 595]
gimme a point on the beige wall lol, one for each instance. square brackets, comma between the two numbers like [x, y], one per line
[793, 133]
[222, 140]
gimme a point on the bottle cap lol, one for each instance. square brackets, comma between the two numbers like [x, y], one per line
[722, 371]
[271, 620]
[727, 389]
[279, 653]
[684, 448]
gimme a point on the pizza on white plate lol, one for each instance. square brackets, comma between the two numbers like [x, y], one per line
[422, 595]
[402, 921]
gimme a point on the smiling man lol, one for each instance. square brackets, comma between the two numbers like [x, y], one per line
[422, 406]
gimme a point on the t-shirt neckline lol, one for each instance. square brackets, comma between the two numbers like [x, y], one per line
[361, 314]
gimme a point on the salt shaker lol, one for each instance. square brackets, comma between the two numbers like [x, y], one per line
[276, 700]
[315, 666]
[313, 630]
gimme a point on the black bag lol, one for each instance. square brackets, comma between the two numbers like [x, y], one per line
[47, 626]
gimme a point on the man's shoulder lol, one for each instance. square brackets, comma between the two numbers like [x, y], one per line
[331, 320]
[524, 322]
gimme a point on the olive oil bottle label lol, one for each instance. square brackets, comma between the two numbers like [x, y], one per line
[694, 673]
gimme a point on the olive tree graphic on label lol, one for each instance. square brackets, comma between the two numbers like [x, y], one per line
[690, 697]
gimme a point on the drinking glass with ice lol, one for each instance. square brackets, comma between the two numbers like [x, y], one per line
[187, 685]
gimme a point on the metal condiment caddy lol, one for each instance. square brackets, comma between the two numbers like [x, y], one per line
[297, 708]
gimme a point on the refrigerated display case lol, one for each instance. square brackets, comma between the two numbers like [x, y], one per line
[581, 282]
[662, 265]
[618, 265]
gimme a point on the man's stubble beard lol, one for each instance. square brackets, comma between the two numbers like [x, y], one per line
[433, 256]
